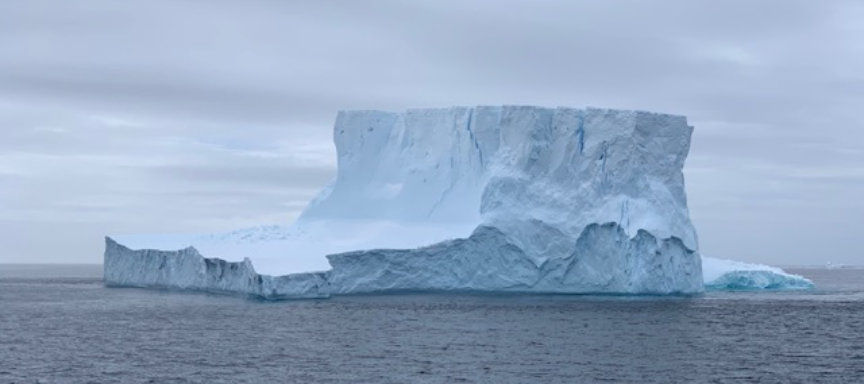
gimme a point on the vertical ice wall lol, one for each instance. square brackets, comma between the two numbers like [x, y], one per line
[508, 166]
[420, 166]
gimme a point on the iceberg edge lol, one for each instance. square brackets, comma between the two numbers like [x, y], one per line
[458, 265]
[730, 275]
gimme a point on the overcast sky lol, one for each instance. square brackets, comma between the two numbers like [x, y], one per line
[199, 116]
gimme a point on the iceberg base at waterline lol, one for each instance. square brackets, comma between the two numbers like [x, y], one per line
[447, 267]
[729, 275]
[603, 260]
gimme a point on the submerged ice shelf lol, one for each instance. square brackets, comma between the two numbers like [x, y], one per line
[515, 199]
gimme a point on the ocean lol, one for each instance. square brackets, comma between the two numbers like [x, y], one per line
[58, 324]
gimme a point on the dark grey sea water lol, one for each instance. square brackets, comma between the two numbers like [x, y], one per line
[59, 325]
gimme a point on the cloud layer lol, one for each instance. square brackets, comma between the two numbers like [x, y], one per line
[194, 116]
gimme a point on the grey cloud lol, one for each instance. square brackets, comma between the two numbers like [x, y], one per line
[195, 116]
[275, 175]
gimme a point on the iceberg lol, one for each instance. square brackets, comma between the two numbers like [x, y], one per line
[488, 199]
[729, 275]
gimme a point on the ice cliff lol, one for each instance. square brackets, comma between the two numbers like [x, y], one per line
[517, 199]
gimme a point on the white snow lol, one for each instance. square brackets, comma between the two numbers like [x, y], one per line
[302, 247]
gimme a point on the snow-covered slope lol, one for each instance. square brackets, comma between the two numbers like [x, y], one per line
[507, 198]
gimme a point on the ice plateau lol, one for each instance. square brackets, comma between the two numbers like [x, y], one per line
[505, 199]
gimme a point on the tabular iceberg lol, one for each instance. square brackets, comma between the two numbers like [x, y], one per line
[513, 199]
